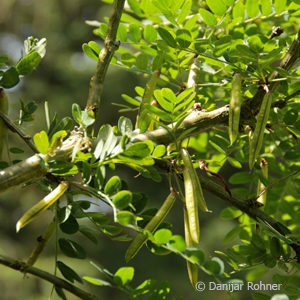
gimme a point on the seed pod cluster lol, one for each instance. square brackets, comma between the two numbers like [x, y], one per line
[152, 225]
[235, 107]
[256, 140]
[41, 206]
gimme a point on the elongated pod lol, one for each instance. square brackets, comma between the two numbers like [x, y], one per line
[190, 197]
[3, 128]
[197, 185]
[235, 107]
[41, 206]
[264, 169]
[256, 140]
[143, 120]
[192, 269]
[140, 239]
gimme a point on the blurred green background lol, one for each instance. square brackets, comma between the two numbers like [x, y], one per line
[62, 79]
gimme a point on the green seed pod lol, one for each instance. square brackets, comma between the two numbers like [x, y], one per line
[191, 187]
[112, 186]
[264, 169]
[3, 128]
[235, 107]
[41, 206]
[256, 140]
[192, 269]
[143, 119]
[153, 224]
[195, 179]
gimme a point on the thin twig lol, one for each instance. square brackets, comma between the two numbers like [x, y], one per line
[14, 128]
[58, 282]
[275, 182]
[282, 103]
[105, 56]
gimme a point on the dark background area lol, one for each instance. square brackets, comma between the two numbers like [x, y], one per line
[62, 79]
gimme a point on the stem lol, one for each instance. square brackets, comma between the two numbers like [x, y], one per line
[105, 56]
[42, 242]
[14, 128]
[58, 282]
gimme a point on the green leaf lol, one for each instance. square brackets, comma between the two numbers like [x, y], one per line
[122, 199]
[275, 247]
[183, 38]
[159, 151]
[135, 33]
[138, 150]
[96, 281]
[126, 218]
[252, 8]
[123, 276]
[167, 37]
[135, 6]
[232, 234]
[130, 100]
[162, 236]
[280, 6]
[89, 233]
[256, 273]
[16, 150]
[65, 124]
[139, 201]
[71, 248]
[150, 34]
[160, 113]
[266, 7]
[184, 11]
[230, 213]
[70, 226]
[111, 230]
[60, 293]
[41, 142]
[87, 118]
[290, 117]
[9, 78]
[125, 125]
[122, 33]
[67, 272]
[207, 17]
[177, 242]
[57, 136]
[240, 178]
[113, 185]
[238, 11]
[76, 112]
[196, 255]
[235, 163]
[228, 2]
[28, 63]
[142, 61]
[214, 267]
[217, 7]
[90, 52]
[164, 103]
[62, 168]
